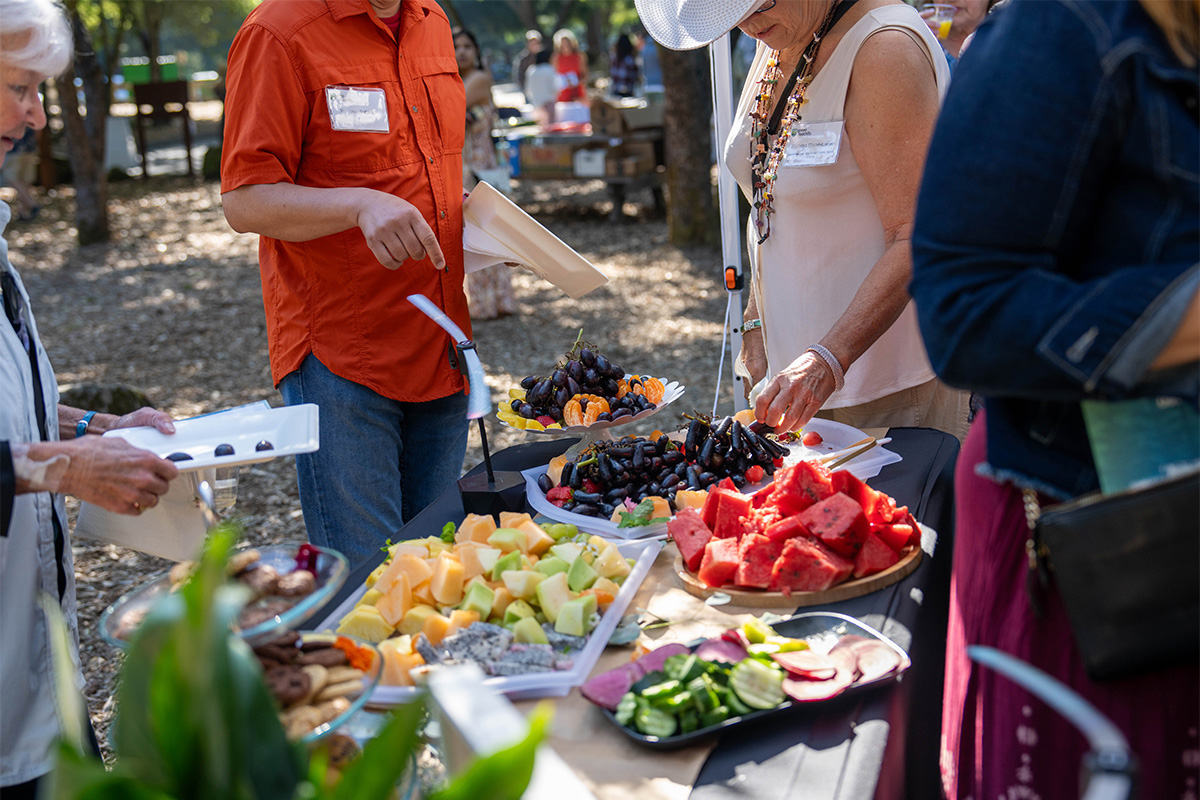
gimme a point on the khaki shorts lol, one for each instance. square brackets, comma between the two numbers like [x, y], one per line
[927, 405]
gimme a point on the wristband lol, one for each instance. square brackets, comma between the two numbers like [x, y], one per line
[749, 325]
[835, 366]
[81, 427]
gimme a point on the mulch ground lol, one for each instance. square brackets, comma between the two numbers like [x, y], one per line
[173, 307]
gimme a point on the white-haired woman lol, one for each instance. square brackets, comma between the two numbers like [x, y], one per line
[828, 144]
[44, 452]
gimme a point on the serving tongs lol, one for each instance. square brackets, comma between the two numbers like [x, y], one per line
[208, 505]
[841, 457]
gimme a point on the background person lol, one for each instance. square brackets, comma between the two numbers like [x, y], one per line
[968, 15]
[44, 450]
[489, 291]
[623, 68]
[830, 326]
[1056, 250]
[571, 65]
[525, 59]
[357, 196]
[541, 88]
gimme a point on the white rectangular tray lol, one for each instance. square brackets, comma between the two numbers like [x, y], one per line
[290, 430]
[540, 684]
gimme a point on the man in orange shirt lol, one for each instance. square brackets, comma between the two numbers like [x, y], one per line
[343, 150]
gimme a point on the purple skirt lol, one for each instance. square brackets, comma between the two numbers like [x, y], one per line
[999, 741]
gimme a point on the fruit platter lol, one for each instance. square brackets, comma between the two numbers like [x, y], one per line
[679, 693]
[532, 605]
[318, 681]
[585, 394]
[287, 584]
[810, 536]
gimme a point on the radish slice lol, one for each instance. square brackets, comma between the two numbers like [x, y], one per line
[807, 664]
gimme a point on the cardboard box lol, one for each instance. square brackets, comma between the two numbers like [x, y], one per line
[589, 163]
[632, 159]
[614, 118]
[544, 158]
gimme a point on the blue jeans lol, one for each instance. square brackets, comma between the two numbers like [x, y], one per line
[381, 461]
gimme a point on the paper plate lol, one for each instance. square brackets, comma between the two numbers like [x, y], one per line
[836, 436]
[496, 226]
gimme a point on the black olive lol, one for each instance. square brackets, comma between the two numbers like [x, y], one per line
[223, 450]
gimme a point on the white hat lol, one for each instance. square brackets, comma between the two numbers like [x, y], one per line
[688, 24]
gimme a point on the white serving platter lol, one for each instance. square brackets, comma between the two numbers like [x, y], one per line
[540, 684]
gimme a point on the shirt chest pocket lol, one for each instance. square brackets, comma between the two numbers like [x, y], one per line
[347, 146]
[437, 78]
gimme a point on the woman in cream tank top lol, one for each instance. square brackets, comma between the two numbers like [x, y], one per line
[832, 275]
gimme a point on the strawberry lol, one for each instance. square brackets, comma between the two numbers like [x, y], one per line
[560, 495]
[590, 485]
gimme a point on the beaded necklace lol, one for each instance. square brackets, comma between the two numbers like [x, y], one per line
[765, 157]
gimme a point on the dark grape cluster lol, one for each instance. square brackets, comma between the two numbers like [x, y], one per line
[584, 371]
[608, 472]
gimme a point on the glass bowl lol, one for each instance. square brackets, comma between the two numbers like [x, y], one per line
[370, 681]
[120, 619]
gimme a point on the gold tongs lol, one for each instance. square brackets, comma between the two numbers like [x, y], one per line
[841, 457]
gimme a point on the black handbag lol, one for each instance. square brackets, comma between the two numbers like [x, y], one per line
[1128, 568]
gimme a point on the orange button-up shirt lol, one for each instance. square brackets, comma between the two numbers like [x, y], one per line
[331, 296]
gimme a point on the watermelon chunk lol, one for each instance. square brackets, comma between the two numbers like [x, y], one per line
[895, 535]
[690, 535]
[720, 562]
[875, 556]
[757, 555]
[808, 566]
[786, 528]
[807, 483]
[709, 512]
[838, 521]
[731, 508]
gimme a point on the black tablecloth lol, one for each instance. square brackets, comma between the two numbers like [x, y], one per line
[882, 743]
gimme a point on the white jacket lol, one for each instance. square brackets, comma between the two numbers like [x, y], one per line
[28, 565]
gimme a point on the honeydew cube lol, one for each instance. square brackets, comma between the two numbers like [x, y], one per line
[552, 593]
[567, 551]
[396, 602]
[506, 562]
[475, 528]
[479, 598]
[487, 557]
[398, 658]
[575, 616]
[528, 631]
[509, 539]
[446, 584]
[366, 623]
[414, 621]
[611, 564]
[551, 565]
[369, 597]
[606, 585]
[522, 584]
[517, 610]
[581, 575]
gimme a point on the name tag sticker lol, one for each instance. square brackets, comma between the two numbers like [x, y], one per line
[813, 144]
[353, 109]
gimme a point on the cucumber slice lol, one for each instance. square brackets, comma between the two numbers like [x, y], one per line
[757, 684]
[689, 720]
[654, 722]
[626, 708]
[714, 716]
[736, 707]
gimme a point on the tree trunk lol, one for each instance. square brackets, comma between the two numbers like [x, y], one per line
[85, 136]
[687, 129]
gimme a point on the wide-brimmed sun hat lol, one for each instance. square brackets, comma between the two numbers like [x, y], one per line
[688, 24]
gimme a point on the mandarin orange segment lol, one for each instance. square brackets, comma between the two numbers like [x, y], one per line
[653, 389]
[574, 414]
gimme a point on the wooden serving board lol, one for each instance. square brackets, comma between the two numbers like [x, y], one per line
[761, 598]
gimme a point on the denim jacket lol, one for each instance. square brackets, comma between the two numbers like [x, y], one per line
[1058, 226]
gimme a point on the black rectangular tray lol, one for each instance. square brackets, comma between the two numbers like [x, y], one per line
[813, 625]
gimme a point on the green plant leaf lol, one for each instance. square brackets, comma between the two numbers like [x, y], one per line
[374, 774]
[77, 776]
[505, 774]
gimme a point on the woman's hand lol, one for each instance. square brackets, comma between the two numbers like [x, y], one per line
[146, 417]
[793, 396]
[114, 475]
[754, 358]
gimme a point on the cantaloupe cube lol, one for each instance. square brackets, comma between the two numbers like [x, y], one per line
[396, 602]
[513, 519]
[422, 594]
[475, 528]
[461, 618]
[688, 498]
[436, 628]
[468, 556]
[554, 470]
[661, 507]
[501, 600]
[417, 548]
[539, 541]
[606, 585]
[414, 621]
[398, 658]
[446, 584]
[404, 563]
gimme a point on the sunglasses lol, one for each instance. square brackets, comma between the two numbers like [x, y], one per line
[767, 6]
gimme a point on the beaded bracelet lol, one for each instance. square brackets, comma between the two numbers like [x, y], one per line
[839, 376]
